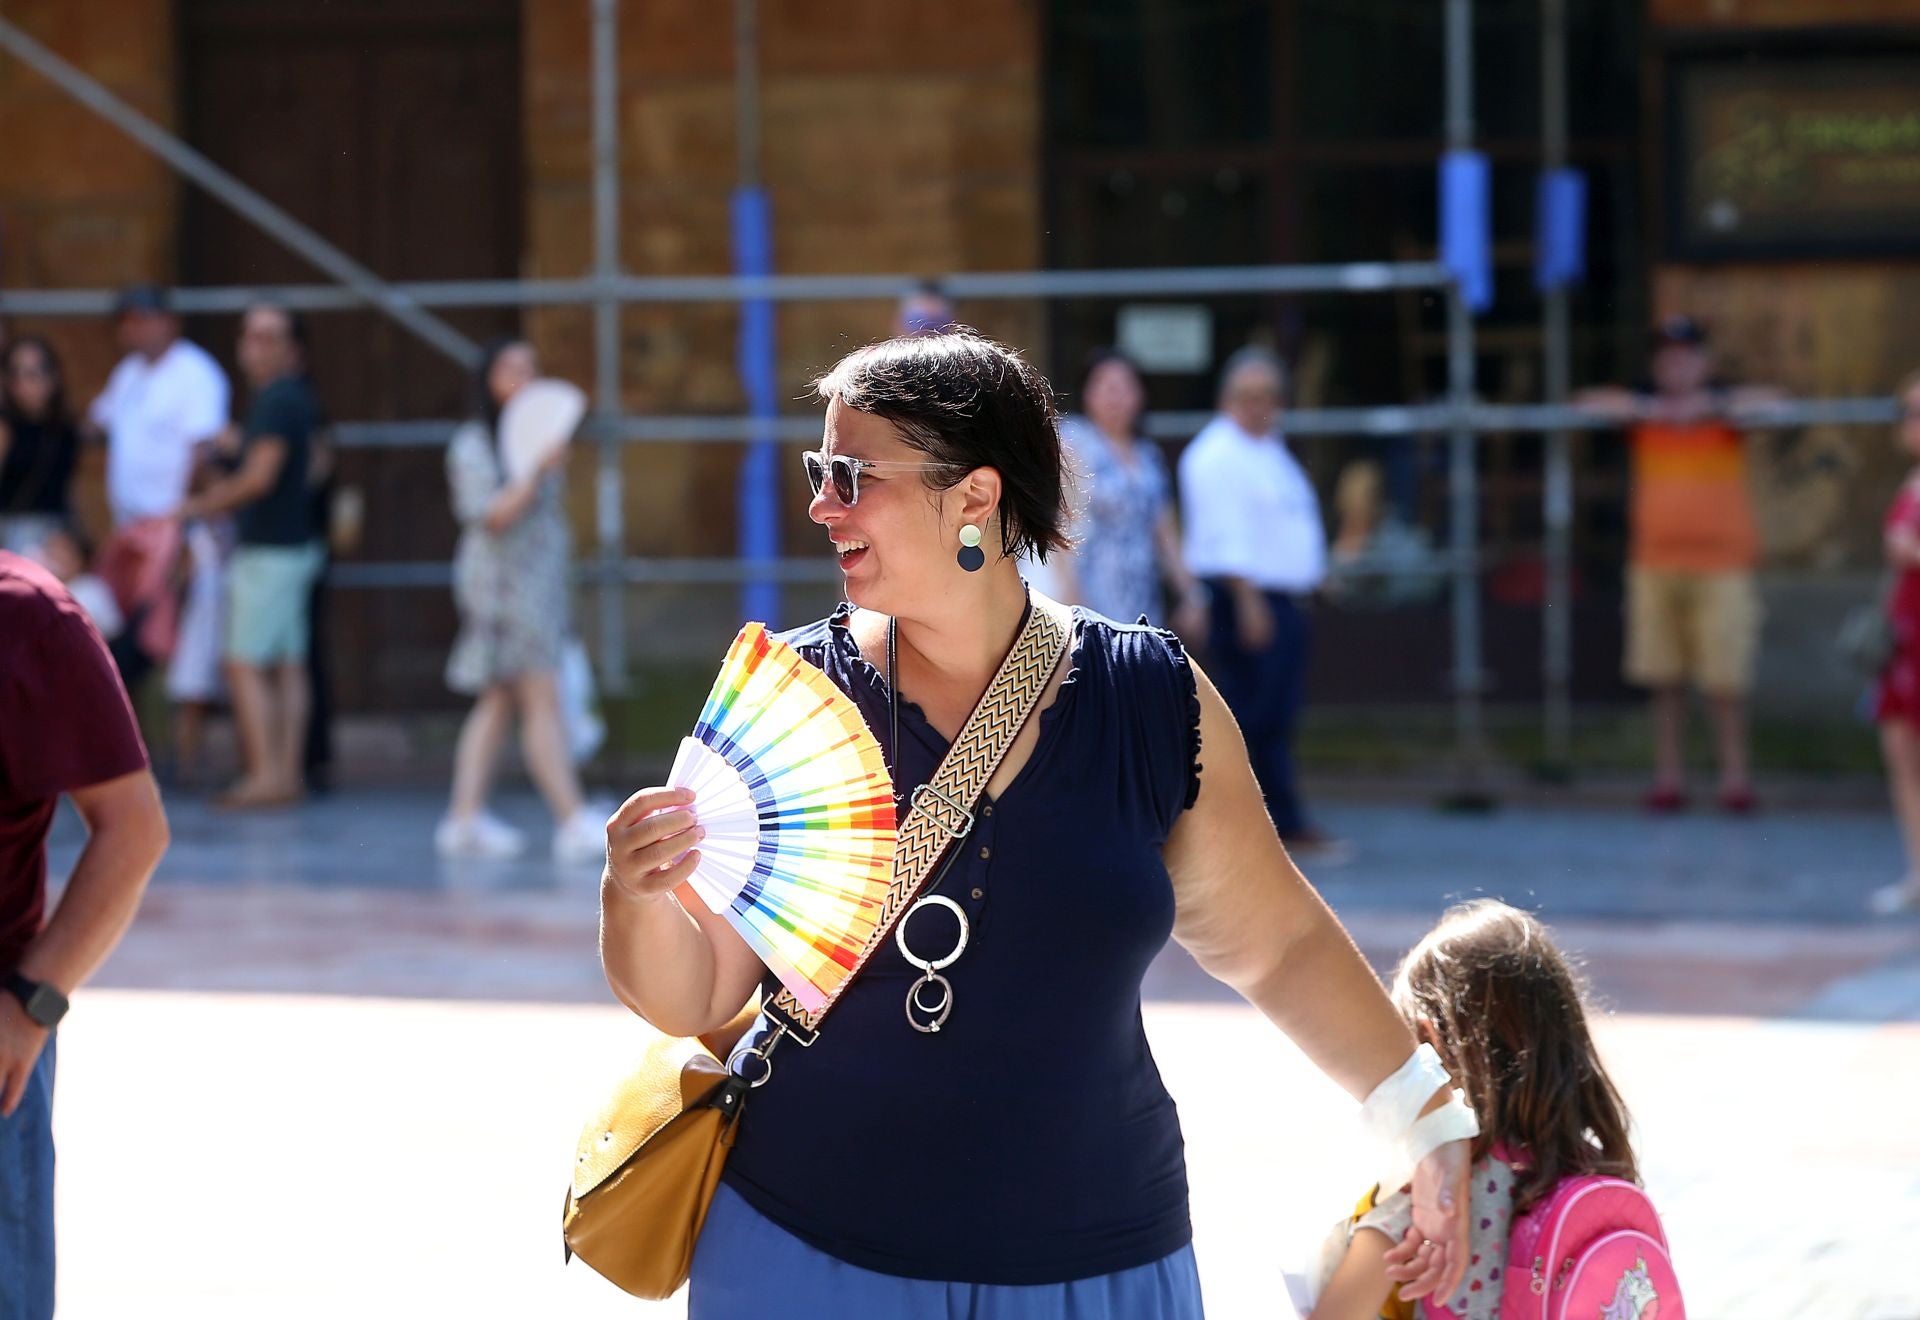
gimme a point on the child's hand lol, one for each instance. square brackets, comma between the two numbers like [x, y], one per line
[1432, 1259]
[1411, 1258]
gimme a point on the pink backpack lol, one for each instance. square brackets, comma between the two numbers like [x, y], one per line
[1592, 1250]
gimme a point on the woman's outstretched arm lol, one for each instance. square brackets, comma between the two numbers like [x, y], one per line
[1245, 912]
[1251, 919]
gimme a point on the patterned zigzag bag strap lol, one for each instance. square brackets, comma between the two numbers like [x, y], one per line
[942, 810]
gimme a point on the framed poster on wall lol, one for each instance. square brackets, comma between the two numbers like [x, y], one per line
[1804, 151]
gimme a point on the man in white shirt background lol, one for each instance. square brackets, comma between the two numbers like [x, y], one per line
[1254, 534]
[163, 409]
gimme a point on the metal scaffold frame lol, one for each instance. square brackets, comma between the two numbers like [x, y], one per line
[607, 289]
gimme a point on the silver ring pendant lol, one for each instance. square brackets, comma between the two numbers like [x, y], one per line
[960, 946]
[936, 1012]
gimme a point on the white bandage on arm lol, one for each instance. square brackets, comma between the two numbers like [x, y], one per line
[1391, 1117]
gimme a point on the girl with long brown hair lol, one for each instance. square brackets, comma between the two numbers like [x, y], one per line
[1489, 991]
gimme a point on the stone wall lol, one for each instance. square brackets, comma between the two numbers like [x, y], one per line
[895, 138]
[81, 204]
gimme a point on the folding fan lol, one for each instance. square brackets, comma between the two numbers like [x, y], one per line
[791, 788]
[540, 417]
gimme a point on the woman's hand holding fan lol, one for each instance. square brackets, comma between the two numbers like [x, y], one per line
[793, 796]
[650, 842]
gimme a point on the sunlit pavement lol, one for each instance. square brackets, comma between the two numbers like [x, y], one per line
[328, 1075]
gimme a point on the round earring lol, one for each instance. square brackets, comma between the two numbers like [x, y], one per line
[972, 557]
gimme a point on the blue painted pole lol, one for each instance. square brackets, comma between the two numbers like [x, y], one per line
[759, 490]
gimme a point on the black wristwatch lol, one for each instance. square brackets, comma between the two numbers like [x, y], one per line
[43, 1003]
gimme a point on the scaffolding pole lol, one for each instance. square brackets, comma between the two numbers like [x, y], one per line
[1556, 633]
[757, 496]
[609, 492]
[1469, 791]
[1136, 282]
[1425, 419]
[269, 218]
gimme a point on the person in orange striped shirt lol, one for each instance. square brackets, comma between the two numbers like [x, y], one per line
[1693, 613]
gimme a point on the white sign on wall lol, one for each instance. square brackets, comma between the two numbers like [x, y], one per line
[1167, 337]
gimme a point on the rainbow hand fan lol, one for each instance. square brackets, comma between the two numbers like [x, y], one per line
[798, 807]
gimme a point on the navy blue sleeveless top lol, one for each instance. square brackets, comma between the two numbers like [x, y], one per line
[1031, 1140]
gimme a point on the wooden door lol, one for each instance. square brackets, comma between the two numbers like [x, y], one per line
[391, 127]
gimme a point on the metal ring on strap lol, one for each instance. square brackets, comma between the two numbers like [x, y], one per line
[761, 1050]
[926, 901]
[949, 817]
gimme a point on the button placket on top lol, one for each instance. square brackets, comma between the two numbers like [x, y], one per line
[980, 845]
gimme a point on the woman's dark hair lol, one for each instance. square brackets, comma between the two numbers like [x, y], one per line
[967, 402]
[1099, 358]
[485, 407]
[1508, 1018]
[57, 414]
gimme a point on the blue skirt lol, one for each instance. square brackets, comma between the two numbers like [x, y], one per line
[746, 1267]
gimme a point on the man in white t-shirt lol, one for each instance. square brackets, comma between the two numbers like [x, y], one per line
[163, 408]
[166, 396]
[1254, 534]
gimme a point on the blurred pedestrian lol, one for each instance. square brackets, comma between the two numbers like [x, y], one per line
[1897, 702]
[1378, 560]
[926, 310]
[275, 560]
[66, 727]
[65, 553]
[1126, 542]
[165, 398]
[162, 411]
[1693, 611]
[1254, 534]
[39, 444]
[510, 582]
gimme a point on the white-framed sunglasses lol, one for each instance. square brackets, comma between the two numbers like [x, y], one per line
[844, 472]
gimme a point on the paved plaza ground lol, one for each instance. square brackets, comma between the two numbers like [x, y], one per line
[330, 1075]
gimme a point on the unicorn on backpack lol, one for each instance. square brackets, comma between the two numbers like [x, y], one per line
[1635, 1298]
[1560, 1226]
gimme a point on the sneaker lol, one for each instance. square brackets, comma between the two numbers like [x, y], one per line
[1738, 801]
[498, 834]
[1665, 801]
[1892, 900]
[581, 838]
[480, 836]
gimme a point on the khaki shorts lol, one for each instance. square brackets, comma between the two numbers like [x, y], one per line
[1703, 627]
[268, 587]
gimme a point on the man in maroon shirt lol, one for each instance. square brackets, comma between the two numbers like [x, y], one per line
[65, 727]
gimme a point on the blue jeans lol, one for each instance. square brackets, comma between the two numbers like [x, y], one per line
[1265, 690]
[26, 1200]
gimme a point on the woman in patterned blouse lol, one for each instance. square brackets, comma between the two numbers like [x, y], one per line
[1127, 543]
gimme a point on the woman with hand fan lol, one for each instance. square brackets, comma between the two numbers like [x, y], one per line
[978, 1128]
[510, 582]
